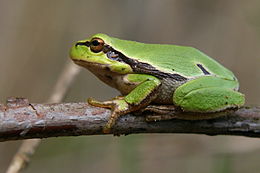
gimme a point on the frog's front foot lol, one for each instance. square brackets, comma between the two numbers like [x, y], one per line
[118, 107]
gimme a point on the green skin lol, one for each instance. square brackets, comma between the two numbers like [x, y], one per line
[157, 73]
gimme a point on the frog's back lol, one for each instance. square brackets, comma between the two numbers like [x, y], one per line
[188, 61]
[172, 59]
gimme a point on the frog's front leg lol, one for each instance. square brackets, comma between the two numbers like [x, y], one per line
[208, 94]
[144, 92]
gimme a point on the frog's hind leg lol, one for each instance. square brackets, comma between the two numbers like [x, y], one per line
[208, 94]
[168, 112]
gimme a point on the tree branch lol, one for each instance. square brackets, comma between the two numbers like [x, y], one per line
[20, 119]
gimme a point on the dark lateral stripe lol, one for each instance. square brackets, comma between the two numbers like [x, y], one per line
[203, 69]
[87, 43]
[140, 67]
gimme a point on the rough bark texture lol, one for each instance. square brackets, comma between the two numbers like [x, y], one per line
[20, 119]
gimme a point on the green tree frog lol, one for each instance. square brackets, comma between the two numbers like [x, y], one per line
[156, 73]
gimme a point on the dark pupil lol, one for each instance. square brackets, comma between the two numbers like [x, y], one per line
[95, 43]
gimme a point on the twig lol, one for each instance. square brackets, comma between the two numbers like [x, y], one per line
[73, 119]
[28, 147]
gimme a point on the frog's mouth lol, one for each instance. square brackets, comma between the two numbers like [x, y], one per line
[79, 62]
[87, 64]
[91, 65]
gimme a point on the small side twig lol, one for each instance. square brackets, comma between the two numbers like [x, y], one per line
[28, 147]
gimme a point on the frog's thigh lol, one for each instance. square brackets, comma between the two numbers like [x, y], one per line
[207, 98]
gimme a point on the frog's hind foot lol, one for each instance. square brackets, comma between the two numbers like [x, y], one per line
[160, 112]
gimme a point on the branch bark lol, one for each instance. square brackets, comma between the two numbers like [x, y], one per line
[20, 119]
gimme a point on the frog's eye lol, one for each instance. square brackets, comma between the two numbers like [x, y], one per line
[96, 45]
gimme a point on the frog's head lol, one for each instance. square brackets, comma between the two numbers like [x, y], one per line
[97, 52]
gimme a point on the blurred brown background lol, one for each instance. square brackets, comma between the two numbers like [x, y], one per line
[35, 37]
